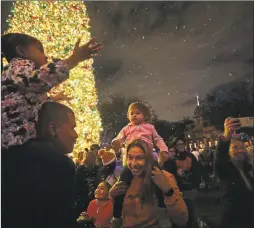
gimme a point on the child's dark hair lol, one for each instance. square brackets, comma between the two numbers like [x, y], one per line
[10, 42]
[108, 186]
[142, 108]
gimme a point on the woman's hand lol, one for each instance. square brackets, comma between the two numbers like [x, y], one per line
[230, 126]
[160, 180]
[83, 52]
[180, 172]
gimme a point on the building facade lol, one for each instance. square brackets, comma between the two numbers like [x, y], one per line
[200, 132]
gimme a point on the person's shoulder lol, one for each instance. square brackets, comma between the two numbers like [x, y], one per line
[148, 125]
[11, 152]
[191, 155]
[184, 154]
[110, 203]
[23, 149]
[101, 169]
[93, 203]
[170, 163]
[21, 155]
[80, 168]
[171, 179]
[167, 174]
[129, 125]
[44, 151]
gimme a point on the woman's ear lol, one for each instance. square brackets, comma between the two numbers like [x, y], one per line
[21, 51]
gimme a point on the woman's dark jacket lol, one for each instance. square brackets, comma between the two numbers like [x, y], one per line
[238, 200]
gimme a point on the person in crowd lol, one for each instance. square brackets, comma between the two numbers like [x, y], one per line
[100, 210]
[236, 177]
[140, 200]
[95, 148]
[108, 171]
[122, 151]
[250, 151]
[205, 166]
[79, 158]
[119, 162]
[85, 182]
[37, 176]
[27, 79]
[139, 116]
[195, 152]
[186, 170]
[164, 157]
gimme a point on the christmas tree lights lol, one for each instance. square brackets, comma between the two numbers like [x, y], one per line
[58, 25]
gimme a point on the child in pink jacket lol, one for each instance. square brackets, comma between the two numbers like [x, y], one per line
[138, 128]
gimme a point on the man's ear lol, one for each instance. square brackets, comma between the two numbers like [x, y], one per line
[52, 129]
[21, 51]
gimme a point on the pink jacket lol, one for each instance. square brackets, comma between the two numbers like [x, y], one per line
[144, 131]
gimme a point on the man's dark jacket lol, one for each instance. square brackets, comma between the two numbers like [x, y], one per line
[37, 186]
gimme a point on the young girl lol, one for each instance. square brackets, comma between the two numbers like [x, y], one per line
[27, 79]
[138, 128]
[100, 210]
[139, 116]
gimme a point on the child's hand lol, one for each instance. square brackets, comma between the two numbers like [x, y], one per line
[86, 51]
[84, 214]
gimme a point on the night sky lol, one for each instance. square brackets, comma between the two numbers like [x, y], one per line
[165, 53]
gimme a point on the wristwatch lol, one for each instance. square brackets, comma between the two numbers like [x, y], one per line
[170, 192]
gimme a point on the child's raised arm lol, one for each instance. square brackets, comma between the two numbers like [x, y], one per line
[119, 140]
[83, 52]
[158, 140]
[29, 79]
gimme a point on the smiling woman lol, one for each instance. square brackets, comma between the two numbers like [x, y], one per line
[140, 204]
[236, 178]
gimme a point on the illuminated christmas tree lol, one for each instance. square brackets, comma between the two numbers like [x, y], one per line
[58, 25]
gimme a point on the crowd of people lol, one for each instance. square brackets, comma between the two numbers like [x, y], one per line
[120, 185]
